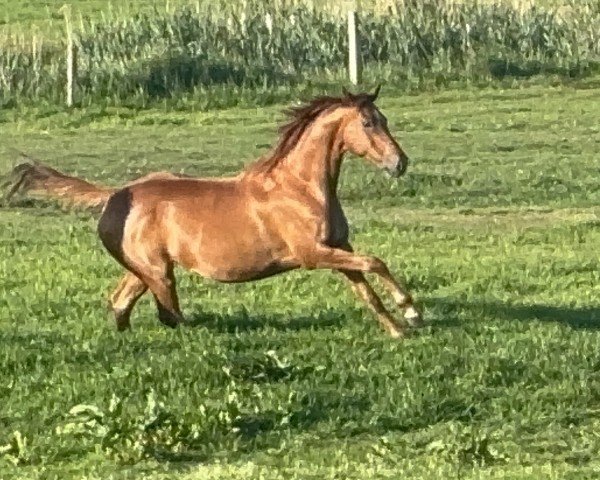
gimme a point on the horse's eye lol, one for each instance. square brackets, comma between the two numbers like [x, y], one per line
[367, 123]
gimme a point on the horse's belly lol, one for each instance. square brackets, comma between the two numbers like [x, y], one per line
[233, 258]
[230, 245]
[235, 268]
[237, 275]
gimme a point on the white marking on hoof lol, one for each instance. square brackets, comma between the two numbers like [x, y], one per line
[400, 298]
[413, 317]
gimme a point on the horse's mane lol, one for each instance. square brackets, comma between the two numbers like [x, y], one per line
[300, 118]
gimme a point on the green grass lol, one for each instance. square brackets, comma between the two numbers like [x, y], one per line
[495, 226]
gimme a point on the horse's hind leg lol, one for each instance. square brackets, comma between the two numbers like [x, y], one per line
[124, 298]
[160, 280]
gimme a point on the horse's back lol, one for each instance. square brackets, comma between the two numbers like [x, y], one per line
[207, 226]
[173, 189]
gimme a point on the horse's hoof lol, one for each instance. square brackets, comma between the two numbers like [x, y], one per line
[121, 319]
[171, 322]
[123, 327]
[413, 317]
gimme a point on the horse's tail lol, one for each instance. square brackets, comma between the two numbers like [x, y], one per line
[38, 179]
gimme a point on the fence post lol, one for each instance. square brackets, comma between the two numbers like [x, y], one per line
[354, 66]
[71, 55]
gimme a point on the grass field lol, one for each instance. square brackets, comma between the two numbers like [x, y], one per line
[496, 227]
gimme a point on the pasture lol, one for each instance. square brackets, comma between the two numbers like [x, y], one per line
[495, 227]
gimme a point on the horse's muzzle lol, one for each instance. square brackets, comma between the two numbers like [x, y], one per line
[397, 166]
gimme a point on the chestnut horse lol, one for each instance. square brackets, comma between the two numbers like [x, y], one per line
[279, 214]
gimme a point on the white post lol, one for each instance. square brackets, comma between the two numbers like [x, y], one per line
[70, 72]
[71, 56]
[353, 52]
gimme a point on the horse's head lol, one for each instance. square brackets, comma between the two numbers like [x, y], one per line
[366, 134]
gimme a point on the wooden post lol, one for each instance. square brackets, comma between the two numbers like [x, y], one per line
[354, 67]
[71, 55]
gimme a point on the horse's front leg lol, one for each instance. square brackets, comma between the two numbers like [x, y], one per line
[339, 259]
[362, 289]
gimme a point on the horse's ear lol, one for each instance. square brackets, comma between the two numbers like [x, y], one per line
[373, 96]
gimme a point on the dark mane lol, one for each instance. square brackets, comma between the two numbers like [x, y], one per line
[300, 118]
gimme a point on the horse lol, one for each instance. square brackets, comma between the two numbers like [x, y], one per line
[278, 214]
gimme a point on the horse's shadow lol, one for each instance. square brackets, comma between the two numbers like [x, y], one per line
[578, 318]
[447, 310]
[443, 313]
[247, 321]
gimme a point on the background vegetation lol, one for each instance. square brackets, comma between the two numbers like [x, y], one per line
[259, 52]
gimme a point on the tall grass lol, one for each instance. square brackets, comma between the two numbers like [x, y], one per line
[256, 46]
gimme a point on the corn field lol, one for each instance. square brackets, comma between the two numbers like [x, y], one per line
[259, 46]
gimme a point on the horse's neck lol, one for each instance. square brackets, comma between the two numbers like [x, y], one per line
[317, 158]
